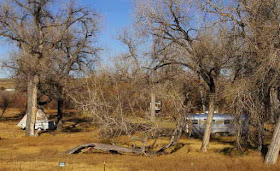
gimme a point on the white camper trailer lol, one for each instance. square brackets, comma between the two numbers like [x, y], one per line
[42, 122]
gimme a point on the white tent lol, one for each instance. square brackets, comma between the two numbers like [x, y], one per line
[42, 121]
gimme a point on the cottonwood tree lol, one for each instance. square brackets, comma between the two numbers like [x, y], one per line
[256, 24]
[173, 23]
[75, 54]
[37, 29]
[24, 22]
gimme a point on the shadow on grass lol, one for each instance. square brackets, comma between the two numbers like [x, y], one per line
[227, 140]
[177, 147]
[17, 117]
[71, 123]
[76, 124]
[234, 151]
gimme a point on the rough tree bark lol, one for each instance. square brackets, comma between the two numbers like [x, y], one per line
[202, 97]
[275, 104]
[274, 147]
[31, 105]
[152, 107]
[260, 135]
[242, 129]
[207, 131]
[60, 103]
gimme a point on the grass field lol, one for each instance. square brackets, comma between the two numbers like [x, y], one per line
[18, 152]
[7, 83]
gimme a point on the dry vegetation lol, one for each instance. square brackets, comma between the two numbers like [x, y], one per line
[225, 57]
[7, 83]
[45, 152]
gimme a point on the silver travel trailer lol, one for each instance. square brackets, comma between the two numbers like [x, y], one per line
[222, 124]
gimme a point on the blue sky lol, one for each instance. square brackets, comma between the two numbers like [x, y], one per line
[116, 15]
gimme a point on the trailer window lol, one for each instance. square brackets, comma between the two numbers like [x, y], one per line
[226, 122]
[213, 121]
[194, 121]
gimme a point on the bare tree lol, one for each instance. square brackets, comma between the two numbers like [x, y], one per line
[132, 40]
[116, 95]
[170, 22]
[75, 54]
[256, 27]
[38, 31]
[14, 16]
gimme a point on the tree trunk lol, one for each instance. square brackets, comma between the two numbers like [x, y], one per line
[274, 104]
[202, 96]
[60, 103]
[260, 135]
[274, 147]
[3, 111]
[31, 105]
[239, 128]
[153, 105]
[176, 134]
[207, 131]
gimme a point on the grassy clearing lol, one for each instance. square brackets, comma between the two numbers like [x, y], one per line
[45, 152]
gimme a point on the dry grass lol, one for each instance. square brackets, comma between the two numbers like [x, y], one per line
[7, 83]
[45, 152]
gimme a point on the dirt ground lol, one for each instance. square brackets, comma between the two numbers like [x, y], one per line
[44, 152]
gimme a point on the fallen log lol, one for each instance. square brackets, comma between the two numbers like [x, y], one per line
[120, 150]
[104, 147]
